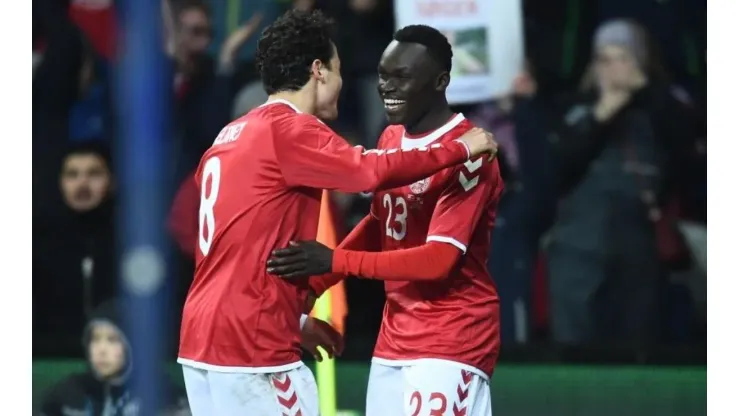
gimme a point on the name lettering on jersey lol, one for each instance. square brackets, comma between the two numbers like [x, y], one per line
[229, 133]
[469, 181]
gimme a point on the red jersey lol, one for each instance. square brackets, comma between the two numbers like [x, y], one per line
[457, 318]
[260, 187]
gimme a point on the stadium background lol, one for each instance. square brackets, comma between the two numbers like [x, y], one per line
[155, 134]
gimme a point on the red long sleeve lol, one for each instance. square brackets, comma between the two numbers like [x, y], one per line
[432, 261]
[312, 155]
[364, 236]
[183, 218]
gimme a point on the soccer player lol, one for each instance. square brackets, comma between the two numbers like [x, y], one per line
[428, 241]
[260, 187]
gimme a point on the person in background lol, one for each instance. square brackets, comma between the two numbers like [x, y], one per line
[519, 122]
[73, 253]
[59, 54]
[91, 116]
[103, 389]
[204, 86]
[619, 157]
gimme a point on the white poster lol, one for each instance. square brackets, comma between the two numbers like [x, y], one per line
[487, 42]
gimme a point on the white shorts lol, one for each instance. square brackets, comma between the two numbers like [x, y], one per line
[212, 393]
[429, 388]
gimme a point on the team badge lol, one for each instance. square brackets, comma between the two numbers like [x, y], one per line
[420, 186]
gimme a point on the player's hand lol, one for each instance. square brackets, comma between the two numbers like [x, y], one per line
[301, 259]
[611, 100]
[480, 142]
[317, 333]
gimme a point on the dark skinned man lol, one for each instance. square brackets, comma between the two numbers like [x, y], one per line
[428, 241]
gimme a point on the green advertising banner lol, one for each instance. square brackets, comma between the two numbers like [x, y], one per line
[520, 390]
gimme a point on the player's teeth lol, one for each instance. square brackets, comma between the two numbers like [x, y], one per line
[390, 102]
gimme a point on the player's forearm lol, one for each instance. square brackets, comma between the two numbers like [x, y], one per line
[374, 170]
[310, 301]
[340, 167]
[432, 261]
[365, 237]
[322, 283]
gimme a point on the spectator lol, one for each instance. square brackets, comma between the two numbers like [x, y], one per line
[90, 117]
[204, 87]
[73, 253]
[104, 388]
[618, 157]
[59, 56]
[519, 124]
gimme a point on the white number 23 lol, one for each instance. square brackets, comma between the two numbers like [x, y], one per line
[396, 228]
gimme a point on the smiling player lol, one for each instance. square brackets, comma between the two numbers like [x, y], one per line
[439, 340]
[260, 186]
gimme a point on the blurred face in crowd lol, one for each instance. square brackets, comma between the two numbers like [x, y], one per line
[107, 350]
[328, 87]
[85, 181]
[194, 32]
[617, 67]
[409, 82]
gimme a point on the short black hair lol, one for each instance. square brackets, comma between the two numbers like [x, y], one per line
[288, 47]
[95, 147]
[437, 45]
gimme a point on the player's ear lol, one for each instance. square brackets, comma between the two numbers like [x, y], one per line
[317, 70]
[443, 81]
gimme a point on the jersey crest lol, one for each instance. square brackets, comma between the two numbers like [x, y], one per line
[421, 186]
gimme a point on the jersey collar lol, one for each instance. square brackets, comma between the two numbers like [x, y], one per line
[426, 140]
[282, 101]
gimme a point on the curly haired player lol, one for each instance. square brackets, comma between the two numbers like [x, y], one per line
[260, 186]
[439, 340]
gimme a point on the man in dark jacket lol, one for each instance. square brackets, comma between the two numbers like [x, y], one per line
[103, 390]
[621, 157]
[73, 250]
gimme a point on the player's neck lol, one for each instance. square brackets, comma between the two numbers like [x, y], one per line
[435, 118]
[301, 100]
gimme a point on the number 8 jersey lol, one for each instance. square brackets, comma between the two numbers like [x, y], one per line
[455, 319]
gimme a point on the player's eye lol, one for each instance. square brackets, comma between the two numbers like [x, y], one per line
[96, 173]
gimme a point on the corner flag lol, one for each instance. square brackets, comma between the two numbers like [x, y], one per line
[330, 307]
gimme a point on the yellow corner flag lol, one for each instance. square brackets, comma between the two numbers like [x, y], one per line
[330, 307]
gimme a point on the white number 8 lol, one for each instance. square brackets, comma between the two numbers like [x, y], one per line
[400, 218]
[212, 170]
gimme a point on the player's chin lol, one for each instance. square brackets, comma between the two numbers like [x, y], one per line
[396, 117]
[397, 114]
[329, 113]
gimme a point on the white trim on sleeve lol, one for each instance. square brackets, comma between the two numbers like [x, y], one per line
[448, 240]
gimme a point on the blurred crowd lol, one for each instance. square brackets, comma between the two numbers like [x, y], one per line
[602, 141]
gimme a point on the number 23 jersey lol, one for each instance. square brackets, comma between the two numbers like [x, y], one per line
[455, 319]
